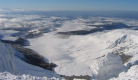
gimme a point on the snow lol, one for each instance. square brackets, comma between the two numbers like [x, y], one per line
[6, 35]
[6, 56]
[12, 64]
[75, 51]
[106, 67]
[9, 76]
[134, 60]
[80, 52]
[131, 74]
[95, 54]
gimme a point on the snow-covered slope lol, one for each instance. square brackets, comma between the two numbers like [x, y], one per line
[12, 64]
[78, 55]
[6, 59]
[106, 67]
[100, 47]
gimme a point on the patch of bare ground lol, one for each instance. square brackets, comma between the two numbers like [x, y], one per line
[125, 58]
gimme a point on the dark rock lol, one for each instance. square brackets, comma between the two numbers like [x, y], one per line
[27, 34]
[22, 41]
[125, 58]
[80, 32]
[104, 27]
[17, 29]
[33, 35]
[19, 41]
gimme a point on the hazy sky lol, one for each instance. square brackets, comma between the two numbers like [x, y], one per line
[77, 5]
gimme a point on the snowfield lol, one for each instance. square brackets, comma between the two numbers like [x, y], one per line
[96, 54]
[103, 48]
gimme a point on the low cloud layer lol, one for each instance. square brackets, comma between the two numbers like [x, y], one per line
[29, 21]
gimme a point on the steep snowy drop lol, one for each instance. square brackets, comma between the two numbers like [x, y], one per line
[106, 67]
[12, 67]
[6, 59]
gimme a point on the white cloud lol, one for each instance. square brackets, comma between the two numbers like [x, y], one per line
[1, 15]
[16, 20]
[3, 20]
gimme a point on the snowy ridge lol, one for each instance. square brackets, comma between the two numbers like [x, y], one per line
[118, 41]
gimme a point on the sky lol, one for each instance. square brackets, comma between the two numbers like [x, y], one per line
[72, 5]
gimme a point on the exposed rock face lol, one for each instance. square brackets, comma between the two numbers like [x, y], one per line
[33, 35]
[19, 41]
[22, 41]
